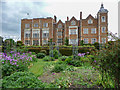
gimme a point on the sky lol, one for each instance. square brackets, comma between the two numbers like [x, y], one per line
[12, 11]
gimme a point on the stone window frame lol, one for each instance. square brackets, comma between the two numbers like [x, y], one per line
[103, 19]
[103, 29]
[73, 31]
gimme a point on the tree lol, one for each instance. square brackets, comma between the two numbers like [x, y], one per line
[81, 42]
[66, 42]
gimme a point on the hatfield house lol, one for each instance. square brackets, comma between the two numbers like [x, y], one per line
[38, 31]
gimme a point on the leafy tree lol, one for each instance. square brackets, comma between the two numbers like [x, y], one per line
[81, 42]
[66, 42]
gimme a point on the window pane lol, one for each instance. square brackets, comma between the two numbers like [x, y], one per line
[86, 41]
[36, 25]
[73, 31]
[85, 30]
[73, 22]
[93, 30]
[27, 25]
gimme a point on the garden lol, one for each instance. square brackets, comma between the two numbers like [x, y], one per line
[60, 67]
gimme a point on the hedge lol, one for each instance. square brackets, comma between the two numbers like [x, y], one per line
[63, 51]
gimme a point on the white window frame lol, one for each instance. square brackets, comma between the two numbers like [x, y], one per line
[59, 40]
[103, 29]
[28, 42]
[85, 30]
[45, 24]
[93, 40]
[36, 25]
[73, 41]
[103, 40]
[27, 25]
[93, 30]
[35, 42]
[59, 33]
[73, 22]
[44, 41]
[60, 25]
[103, 20]
[90, 21]
[73, 31]
[86, 40]
[45, 32]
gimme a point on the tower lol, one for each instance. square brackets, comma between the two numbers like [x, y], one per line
[102, 16]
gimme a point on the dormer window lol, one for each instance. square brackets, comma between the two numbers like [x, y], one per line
[90, 21]
[73, 22]
[60, 26]
[103, 18]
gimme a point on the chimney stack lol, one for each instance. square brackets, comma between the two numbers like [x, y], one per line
[55, 18]
[80, 15]
[67, 18]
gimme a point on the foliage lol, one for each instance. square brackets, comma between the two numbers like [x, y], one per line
[68, 60]
[48, 58]
[76, 63]
[14, 62]
[43, 51]
[81, 42]
[22, 80]
[63, 58]
[40, 55]
[55, 53]
[59, 67]
[20, 43]
[66, 41]
[96, 44]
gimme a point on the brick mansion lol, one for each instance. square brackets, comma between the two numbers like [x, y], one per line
[38, 31]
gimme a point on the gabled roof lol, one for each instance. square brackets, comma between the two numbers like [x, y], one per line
[73, 18]
[59, 21]
[90, 16]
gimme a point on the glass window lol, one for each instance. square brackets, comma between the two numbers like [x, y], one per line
[27, 35]
[73, 22]
[45, 34]
[35, 42]
[59, 33]
[103, 18]
[93, 40]
[90, 21]
[85, 31]
[60, 26]
[27, 25]
[45, 41]
[86, 40]
[59, 40]
[36, 25]
[35, 35]
[93, 30]
[103, 40]
[73, 41]
[73, 31]
[103, 29]
[27, 42]
[45, 25]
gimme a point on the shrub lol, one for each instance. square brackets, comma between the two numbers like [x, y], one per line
[76, 63]
[43, 51]
[22, 80]
[59, 67]
[55, 53]
[48, 58]
[40, 55]
[63, 58]
[68, 60]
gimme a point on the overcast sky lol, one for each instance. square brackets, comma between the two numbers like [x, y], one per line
[12, 11]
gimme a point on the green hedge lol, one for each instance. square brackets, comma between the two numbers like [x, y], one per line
[63, 51]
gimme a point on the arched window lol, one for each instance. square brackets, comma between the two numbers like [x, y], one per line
[60, 25]
[73, 22]
[90, 21]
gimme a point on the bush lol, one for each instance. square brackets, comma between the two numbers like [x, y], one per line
[48, 58]
[68, 60]
[43, 51]
[58, 68]
[63, 58]
[40, 55]
[55, 53]
[76, 63]
[22, 80]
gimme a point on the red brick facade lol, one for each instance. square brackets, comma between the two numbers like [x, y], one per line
[38, 31]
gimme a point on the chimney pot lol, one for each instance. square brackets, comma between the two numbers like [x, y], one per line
[80, 15]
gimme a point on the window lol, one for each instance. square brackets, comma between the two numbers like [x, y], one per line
[85, 31]
[73, 22]
[36, 25]
[45, 25]
[27, 35]
[103, 29]
[59, 33]
[93, 40]
[60, 26]
[59, 40]
[93, 30]
[35, 42]
[27, 42]
[103, 40]
[86, 40]
[73, 31]
[45, 34]
[27, 25]
[90, 21]
[103, 18]
[45, 41]
[73, 41]
[35, 35]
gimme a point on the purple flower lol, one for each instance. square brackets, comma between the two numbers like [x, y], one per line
[87, 52]
[53, 73]
[2, 62]
[95, 61]
[17, 65]
[93, 67]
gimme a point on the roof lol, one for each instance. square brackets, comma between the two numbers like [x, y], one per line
[102, 10]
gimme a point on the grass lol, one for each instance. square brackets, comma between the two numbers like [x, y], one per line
[81, 77]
